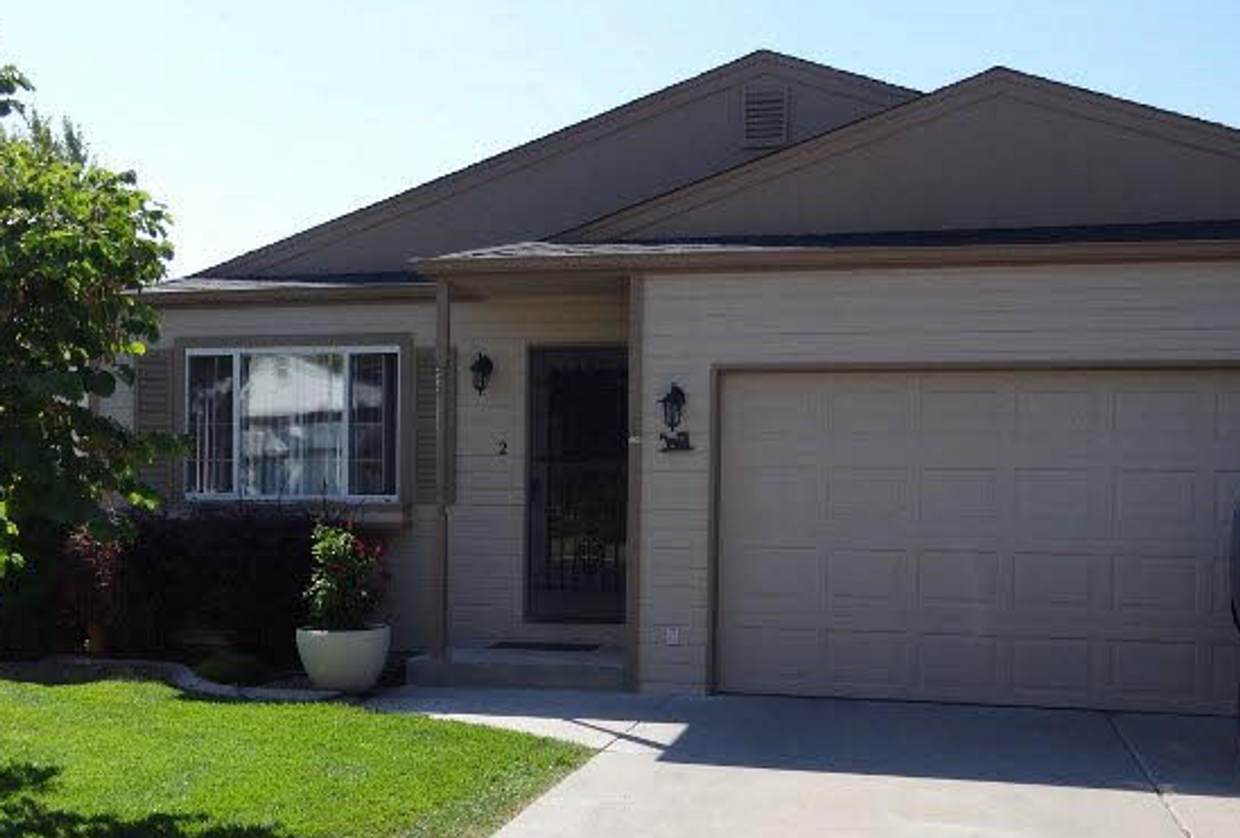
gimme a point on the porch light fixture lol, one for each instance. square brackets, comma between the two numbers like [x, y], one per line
[673, 404]
[482, 367]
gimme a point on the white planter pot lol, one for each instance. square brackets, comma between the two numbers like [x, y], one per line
[344, 661]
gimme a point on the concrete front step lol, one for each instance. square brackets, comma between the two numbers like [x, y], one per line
[599, 669]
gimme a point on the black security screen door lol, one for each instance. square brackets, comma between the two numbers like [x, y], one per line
[578, 486]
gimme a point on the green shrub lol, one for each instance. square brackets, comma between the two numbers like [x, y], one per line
[35, 619]
[238, 570]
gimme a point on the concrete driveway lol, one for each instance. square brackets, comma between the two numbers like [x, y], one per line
[753, 766]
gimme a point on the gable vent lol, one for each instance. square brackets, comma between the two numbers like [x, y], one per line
[765, 115]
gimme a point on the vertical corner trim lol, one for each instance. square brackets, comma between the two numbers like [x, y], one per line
[633, 524]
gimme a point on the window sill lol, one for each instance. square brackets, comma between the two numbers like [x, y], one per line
[381, 512]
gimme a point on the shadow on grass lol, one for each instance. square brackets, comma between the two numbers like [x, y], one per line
[53, 673]
[25, 777]
[22, 816]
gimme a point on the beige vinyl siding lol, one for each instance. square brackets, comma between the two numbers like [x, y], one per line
[592, 170]
[487, 522]
[224, 322]
[1082, 315]
[119, 405]
[997, 151]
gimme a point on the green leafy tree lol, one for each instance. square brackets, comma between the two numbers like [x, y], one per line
[77, 244]
[68, 144]
[12, 82]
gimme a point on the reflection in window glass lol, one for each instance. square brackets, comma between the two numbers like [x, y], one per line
[292, 424]
[210, 424]
[372, 423]
[295, 424]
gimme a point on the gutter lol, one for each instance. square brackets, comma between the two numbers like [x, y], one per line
[300, 294]
[594, 260]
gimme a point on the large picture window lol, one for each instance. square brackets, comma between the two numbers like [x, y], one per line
[292, 423]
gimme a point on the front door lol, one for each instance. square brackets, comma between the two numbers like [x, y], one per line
[578, 485]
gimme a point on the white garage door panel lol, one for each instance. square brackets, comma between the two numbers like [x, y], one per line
[1017, 537]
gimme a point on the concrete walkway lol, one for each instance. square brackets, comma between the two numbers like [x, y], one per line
[752, 766]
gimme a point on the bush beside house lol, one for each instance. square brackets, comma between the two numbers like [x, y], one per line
[234, 575]
[33, 620]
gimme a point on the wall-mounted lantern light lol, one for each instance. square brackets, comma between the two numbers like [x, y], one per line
[482, 367]
[673, 404]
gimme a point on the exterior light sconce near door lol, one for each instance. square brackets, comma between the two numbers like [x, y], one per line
[673, 404]
[482, 367]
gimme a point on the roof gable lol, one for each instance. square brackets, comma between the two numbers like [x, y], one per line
[631, 153]
[1001, 149]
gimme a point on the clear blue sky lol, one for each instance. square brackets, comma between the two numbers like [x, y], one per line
[253, 120]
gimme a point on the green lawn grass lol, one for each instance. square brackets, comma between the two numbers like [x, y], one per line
[111, 759]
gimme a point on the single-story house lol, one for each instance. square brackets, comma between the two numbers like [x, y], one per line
[779, 380]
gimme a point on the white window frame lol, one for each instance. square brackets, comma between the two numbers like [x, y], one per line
[348, 352]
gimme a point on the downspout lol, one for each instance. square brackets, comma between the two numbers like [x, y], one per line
[443, 459]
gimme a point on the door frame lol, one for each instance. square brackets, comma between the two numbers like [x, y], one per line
[527, 513]
[714, 488]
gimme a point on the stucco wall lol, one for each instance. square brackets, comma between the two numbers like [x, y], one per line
[1071, 315]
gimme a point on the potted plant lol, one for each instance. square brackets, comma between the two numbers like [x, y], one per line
[342, 649]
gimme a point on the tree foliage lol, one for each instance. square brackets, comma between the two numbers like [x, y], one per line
[12, 82]
[67, 144]
[77, 242]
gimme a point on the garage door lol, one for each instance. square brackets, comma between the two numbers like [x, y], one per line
[1050, 538]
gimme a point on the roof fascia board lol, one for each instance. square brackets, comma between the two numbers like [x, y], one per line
[839, 82]
[298, 296]
[1120, 104]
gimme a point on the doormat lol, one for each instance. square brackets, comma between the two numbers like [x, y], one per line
[547, 647]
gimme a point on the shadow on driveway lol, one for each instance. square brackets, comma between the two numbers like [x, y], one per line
[1194, 755]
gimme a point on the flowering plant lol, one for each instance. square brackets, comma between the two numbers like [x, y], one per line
[347, 579]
